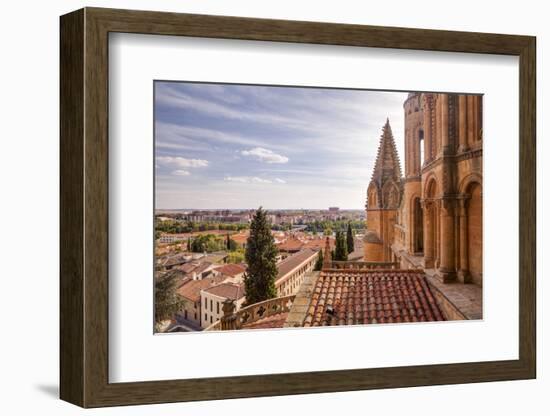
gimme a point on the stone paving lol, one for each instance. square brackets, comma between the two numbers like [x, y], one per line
[468, 298]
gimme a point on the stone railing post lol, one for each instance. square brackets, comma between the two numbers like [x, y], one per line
[229, 319]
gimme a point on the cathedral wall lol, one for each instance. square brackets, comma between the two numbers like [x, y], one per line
[373, 251]
[411, 190]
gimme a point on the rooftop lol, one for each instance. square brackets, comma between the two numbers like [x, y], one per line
[291, 244]
[226, 290]
[352, 297]
[192, 289]
[231, 269]
[291, 262]
[273, 321]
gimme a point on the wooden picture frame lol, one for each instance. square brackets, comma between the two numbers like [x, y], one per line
[84, 207]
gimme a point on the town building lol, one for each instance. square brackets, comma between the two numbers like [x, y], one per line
[233, 272]
[213, 297]
[292, 270]
[167, 238]
[190, 291]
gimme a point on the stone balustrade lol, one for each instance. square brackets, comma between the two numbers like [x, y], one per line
[252, 313]
[363, 265]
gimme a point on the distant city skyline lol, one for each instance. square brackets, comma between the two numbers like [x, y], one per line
[222, 146]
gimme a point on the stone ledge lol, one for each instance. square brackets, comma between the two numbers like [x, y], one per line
[298, 310]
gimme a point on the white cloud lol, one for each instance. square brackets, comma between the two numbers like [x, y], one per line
[181, 172]
[265, 155]
[183, 162]
[246, 179]
[279, 180]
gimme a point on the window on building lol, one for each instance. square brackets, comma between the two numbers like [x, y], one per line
[211, 306]
[217, 307]
[205, 303]
[210, 319]
[205, 318]
[421, 144]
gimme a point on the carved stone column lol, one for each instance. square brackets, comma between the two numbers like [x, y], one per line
[446, 270]
[229, 319]
[427, 129]
[464, 271]
[445, 144]
[471, 117]
[462, 124]
[428, 232]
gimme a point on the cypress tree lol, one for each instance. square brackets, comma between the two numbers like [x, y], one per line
[340, 251]
[349, 239]
[319, 262]
[260, 256]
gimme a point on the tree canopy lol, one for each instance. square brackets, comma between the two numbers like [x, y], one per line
[341, 250]
[349, 239]
[260, 256]
[167, 300]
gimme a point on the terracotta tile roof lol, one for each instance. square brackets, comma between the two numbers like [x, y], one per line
[188, 267]
[240, 238]
[273, 321]
[367, 297]
[291, 244]
[227, 290]
[231, 269]
[202, 267]
[291, 262]
[319, 243]
[192, 289]
[176, 259]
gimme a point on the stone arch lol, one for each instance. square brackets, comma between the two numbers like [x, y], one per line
[431, 187]
[465, 183]
[372, 196]
[431, 223]
[390, 195]
[416, 222]
[471, 229]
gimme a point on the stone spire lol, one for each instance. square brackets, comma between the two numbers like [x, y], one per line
[327, 258]
[387, 164]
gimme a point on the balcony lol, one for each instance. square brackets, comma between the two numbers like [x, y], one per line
[363, 265]
[251, 314]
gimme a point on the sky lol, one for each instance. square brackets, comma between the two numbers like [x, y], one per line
[245, 146]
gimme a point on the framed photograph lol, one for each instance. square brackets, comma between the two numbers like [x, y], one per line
[255, 207]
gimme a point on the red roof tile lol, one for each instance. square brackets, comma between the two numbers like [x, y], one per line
[291, 244]
[273, 321]
[192, 289]
[231, 269]
[291, 262]
[227, 290]
[351, 297]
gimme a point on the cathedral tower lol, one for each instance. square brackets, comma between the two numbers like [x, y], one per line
[383, 199]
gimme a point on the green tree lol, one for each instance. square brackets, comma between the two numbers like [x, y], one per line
[167, 299]
[341, 250]
[260, 256]
[349, 239]
[230, 244]
[319, 262]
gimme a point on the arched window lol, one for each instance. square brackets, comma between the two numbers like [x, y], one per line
[418, 227]
[421, 144]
